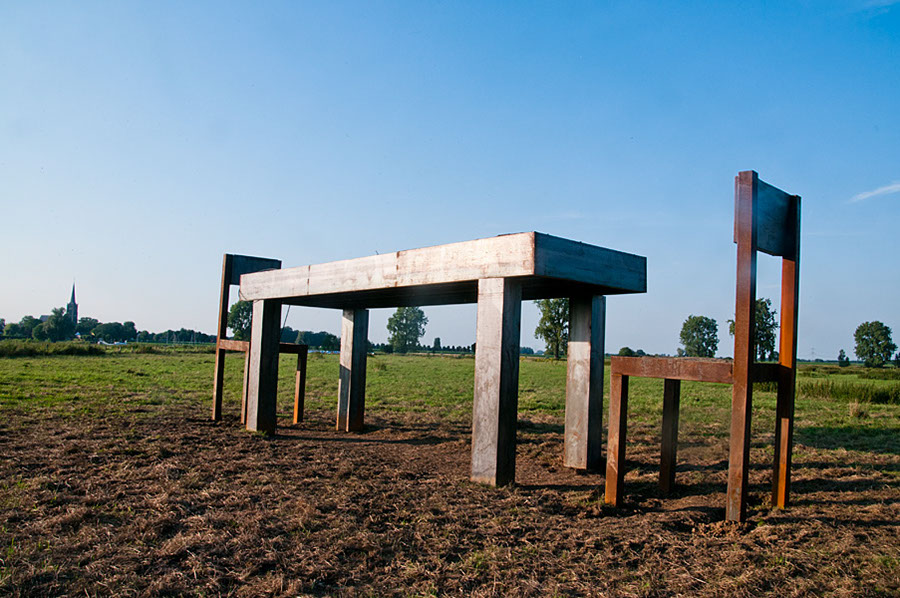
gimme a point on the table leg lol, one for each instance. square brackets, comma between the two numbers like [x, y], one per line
[584, 382]
[494, 410]
[262, 389]
[352, 383]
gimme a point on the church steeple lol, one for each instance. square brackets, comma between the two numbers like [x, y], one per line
[72, 307]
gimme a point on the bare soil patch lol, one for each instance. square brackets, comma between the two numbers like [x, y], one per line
[159, 501]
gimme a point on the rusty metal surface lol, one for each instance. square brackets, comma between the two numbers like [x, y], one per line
[669, 449]
[615, 449]
[744, 328]
[300, 383]
[695, 369]
[787, 356]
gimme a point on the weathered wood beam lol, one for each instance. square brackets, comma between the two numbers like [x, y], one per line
[228, 344]
[262, 388]
[495, 406]
[584, 383]
[564, 259]
[455, 266]
[352, 382]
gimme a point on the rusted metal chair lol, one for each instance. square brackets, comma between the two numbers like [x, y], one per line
[233, 266]
[768, 220]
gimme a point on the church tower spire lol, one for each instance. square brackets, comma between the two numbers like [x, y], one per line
[72, 307]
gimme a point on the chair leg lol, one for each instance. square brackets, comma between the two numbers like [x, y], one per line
[244, 388]
[671, 399]
[784, 432]
[300, 387]
[218, 383]
[618, 423]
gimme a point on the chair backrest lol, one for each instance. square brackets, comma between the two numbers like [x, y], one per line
[233, 267]
[766, 219]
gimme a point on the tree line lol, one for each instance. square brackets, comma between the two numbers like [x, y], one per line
[405, 327]
[60, 327]
[699, 335]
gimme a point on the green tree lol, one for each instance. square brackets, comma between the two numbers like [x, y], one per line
[109, 332]
[766, 325]
[843, 360]
[406, 327]
[239, 319]
[58, 327]
[553, 327]
[289, 335]
[627, 352]
[321, 340]
[86, 325]
[39, 333]
[2, 326]
[13, 330]
[873, 343]
[700, 337]
[28, 324]
[437, 343]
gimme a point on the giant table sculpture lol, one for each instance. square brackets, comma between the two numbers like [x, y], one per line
[497, 273]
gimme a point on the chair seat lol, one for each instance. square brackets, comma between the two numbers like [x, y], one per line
[699, 369]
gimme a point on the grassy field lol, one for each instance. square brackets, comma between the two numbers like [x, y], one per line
[113, 481]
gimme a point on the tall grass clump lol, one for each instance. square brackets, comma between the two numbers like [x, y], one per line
[880, 374]
[162, 348]
[838, 389]
[28, 348]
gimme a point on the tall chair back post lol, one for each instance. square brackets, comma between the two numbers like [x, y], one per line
[787, 359]
[746, 199]
[221, 331]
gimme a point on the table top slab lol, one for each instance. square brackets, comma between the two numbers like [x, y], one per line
[548, 266]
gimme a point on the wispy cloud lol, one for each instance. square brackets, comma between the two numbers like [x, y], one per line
[892, 188]
[880, 3]
[872, 8]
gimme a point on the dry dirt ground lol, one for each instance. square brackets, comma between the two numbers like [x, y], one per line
[165, 502]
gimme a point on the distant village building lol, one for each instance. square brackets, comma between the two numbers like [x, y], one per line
[71, 309]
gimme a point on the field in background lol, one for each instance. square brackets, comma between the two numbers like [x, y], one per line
[112, 480]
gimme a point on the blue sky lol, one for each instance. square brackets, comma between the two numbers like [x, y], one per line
[140, 141]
